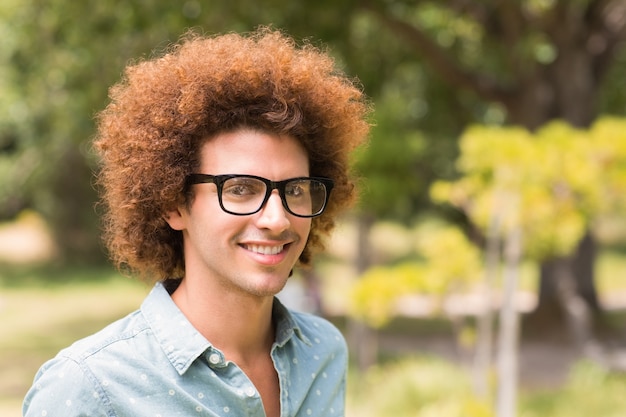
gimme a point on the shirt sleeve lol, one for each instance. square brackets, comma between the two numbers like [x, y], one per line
[62, 388]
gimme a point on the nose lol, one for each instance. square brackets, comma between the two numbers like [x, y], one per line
[273, 215]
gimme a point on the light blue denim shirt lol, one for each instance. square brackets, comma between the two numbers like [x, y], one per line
[155, 363]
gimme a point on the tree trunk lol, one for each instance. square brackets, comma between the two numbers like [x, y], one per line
[508, 356]
[550, 312]
[565, 89]
[74, 225]
[576, 310]
[483, 360]
[363, 340]
[583, 264]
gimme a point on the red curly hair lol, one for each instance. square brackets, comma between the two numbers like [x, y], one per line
[164, 109]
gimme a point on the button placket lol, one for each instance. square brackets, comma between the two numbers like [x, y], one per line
[250, 391]
[215, 359]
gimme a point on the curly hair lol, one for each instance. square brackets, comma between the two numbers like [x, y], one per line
[164, 109]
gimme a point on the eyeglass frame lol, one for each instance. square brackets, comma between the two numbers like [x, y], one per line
[270, 186]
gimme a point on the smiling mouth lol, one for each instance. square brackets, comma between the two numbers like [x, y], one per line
[264, 250]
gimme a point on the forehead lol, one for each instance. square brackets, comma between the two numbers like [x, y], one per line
[247, 151]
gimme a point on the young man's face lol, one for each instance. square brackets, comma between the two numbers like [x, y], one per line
[254, 253]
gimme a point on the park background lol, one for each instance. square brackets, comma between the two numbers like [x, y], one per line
[483, 272]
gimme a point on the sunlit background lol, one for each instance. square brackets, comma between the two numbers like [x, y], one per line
[483, 272]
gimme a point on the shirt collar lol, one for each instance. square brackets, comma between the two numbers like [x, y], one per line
[286, 325]
[180, 341]
[183, 344]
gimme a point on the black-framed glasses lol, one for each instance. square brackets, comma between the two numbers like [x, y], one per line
[243, 195]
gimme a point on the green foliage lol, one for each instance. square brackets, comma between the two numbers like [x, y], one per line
[386, 193]
[553, 183]
[58, 58]
[449, 263]
[608, 150]
[590, 390]
[452, 261]
[427, 386]
[414, 387]
[376, 292]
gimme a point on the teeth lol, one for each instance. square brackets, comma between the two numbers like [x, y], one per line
[265, 250]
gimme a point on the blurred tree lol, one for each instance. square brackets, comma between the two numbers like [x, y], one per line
[448, 264]
[557, 200]
[537, 60]
[436, 66]
[59, 58]
[57, 61]
[431, 66]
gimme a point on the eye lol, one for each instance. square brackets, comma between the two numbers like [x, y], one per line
[242, 187]
[297, 188]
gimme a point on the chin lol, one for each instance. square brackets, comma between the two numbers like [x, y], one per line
[269, 285]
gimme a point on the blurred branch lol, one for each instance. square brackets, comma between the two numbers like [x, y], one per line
[607, 24]
[512, 23]
[447, 68]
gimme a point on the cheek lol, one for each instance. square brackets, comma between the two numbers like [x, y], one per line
[303, 228]
[209, 225]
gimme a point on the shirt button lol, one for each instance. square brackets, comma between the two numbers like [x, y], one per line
[250, 392]
[214, 358]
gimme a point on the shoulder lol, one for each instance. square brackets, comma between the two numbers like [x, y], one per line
[105, 339]
[67, 384]
[63, 386]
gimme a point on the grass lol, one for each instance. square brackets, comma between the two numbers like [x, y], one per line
[417, 386]
[590, 391]
[37, 321]
[422, 386]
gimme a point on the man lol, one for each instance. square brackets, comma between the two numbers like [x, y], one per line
[224, 165]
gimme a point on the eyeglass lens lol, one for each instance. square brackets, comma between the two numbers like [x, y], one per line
[245, 195]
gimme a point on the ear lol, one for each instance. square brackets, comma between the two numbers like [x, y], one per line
[176, 219]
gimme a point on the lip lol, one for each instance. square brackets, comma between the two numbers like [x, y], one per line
[267, 253]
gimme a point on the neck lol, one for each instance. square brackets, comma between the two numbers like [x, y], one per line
[239, 325]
